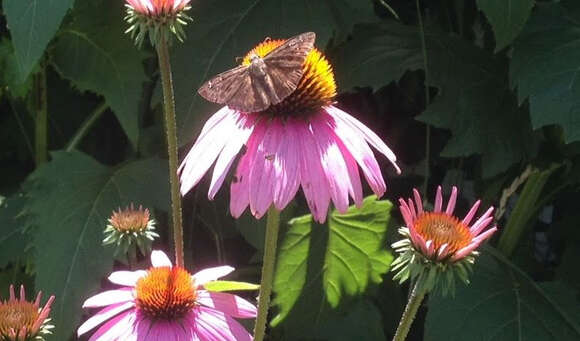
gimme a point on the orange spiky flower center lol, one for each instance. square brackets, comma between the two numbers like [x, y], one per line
[166, 293]
[130, 219]
[443, 228]
[16, 315]
[316, 88]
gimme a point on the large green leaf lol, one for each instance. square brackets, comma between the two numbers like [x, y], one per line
[9, 76]
[69, 201]
[318, 266]
[502, 303]
[545, 64]
[224, 29]
[32, 25]
[473, 99]
[13, 239]
[95, 55]
[507, 18]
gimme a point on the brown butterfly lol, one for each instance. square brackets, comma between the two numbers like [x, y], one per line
[265, 81]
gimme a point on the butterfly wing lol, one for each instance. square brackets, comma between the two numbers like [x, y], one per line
[285, 64]
[249, 97]
[222, 87]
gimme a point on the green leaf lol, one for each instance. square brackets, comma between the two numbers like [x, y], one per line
[545, 65]
[32, 25]
[224, 29]
[69, 202]
[9, 76]
[502, 303]
[319, 266]
[507, 18]
[473, 99]
[13, 239]
[230, 286]
[95, 55]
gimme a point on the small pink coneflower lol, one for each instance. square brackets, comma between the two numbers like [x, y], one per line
[304, 141]
[438, 241]
[23, 320]
[158, 7]
[167, 303]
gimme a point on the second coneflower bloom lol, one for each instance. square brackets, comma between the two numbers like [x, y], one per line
[21, 320]
[438, 246]
[304, 141]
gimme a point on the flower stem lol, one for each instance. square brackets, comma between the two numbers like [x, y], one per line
[171, 132]
[86, 126]
[413, 305]
[272, 227]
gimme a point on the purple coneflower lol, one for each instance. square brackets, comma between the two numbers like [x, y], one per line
[304, 141]
[167, 303]
[23, 320]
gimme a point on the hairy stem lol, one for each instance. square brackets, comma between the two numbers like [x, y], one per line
[272, 227]
[171, 133]
[86, 126]
[413, 305]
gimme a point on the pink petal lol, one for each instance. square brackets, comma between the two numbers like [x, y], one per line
[159, 259]
[109, 297]
[452, 201]
[430, 248]
[471, 212]
[168, 330]
[477, 228]
[438, 200]
[127, 278]
[213, 325]
[312, 178]
[412, 209]
[287, 165]
[262, 172]
[229, 304]
[240, 135]
[211, 274]
[206, 149]
[368, 134]
[355, 186]
[478, 222]
[406, 213]
[358, 147]
[114, 329]
[418, 202]
[474, 244]
[240, 187]
[103, 315]
[332, 162]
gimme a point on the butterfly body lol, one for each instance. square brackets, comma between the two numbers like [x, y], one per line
[265, 81]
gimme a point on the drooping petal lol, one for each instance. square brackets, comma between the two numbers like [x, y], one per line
[332, 162]
[263, 174]
[104, 315]
[358, 147]
[211, 274]
[368, 134]
[214, 325]
[287, 165]
[312, 177]
[127, 278]
[206, 149]
[229, 304]
[109, 297]
[240, 135]
[160, 259]
[355, 186]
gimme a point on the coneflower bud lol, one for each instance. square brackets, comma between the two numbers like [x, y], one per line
[21, 320]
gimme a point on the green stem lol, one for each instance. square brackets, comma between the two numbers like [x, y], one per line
[413, 305]
[85, 127]
[272, 227]
[427, 99]
[40, 106]
[171, 132]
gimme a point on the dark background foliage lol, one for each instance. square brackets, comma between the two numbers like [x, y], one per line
[490, 102]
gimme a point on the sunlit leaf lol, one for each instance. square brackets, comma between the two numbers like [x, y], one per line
[224, 30]
[502, 303]
[32, 25]
[507, 18]
[69, 201]
[319, 266]
[95, 55]
[545, 64]
[230, 286]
